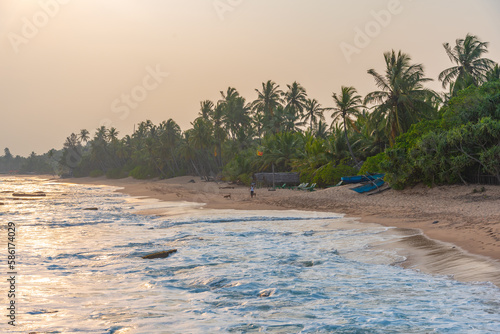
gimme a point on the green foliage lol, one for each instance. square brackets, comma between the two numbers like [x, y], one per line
[116, 173]
[142, 173]
[409, 139]
[306, 176]
[281, 149]
[245, 179]
[96, 173]
[328, 174]
[373, 164]
[403, 99]
[35, 164]
[240, 164]
[465, 138]
[434, 146]
[474, 103]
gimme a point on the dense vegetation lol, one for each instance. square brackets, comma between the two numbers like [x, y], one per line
[404, 129]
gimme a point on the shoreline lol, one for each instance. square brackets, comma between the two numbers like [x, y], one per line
[447, 230]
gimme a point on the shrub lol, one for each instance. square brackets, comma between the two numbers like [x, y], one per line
[116, 173]
[373, 164]
[141, 173]
[245, 179]
[96, 173]
[330, 175]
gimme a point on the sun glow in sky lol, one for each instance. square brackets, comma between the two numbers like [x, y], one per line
[66, 65]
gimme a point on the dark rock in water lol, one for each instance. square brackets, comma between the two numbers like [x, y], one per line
[35, 194]
[435, 222]
[93, 209]
[306, 263]
[159, 255]
[267, 292]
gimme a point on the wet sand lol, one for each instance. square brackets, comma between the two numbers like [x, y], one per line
[446, 230]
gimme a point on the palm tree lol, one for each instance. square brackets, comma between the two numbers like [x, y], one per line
[206, 109]
[280, 149]
[373, 138]
[268, 99]
[285, 120]
[100, 133]
[312, 112]
[321, 130]
[84, 135]
[402, 99]
[471, 67]
[7, 155]
[493, 74]
[235, 112]
[170, 135]
[220, 134]
[296, 98]
[347, 104]
[112, 135]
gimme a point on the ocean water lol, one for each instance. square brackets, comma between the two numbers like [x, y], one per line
[234, 271]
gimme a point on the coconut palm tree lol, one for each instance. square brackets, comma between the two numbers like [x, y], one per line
[84, 135]
[347, 105]
[112, 135]
[285, 119]
[201, 135]
[206, 109]
[402, 99]
[280, 149]
[268, 99]
[493, 74]
[295, 98]
[471, 68]
[321, 130]
[312, 112]
[170, 135]
[235, 112]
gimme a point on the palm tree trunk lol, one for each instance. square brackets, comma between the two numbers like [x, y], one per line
[349, 144]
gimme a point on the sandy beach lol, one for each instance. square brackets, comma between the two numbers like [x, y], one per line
[447, 230]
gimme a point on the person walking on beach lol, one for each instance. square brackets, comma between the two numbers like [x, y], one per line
[252, 192]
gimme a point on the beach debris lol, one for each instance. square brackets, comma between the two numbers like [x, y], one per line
[191, 181]
[91, 209]
[228, 196]
[435, 222]
[35, 194]
[267, 293]
[160, 255]
[226, 187]
[1, 203]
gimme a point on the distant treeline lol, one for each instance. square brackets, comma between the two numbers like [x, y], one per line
[404, 129]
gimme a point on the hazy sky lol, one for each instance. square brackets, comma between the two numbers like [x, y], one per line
[66, 65]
